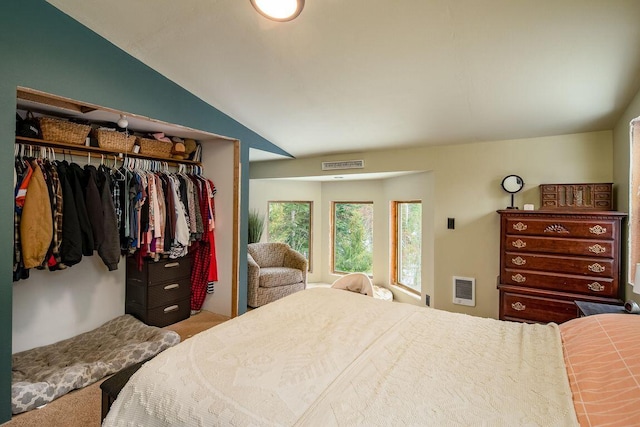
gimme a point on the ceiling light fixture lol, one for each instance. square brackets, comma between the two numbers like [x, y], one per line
[278, 10]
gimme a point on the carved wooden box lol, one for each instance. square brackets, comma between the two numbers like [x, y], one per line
[595, 196]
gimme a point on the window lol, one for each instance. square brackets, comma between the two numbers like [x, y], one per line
[406, 244]
[290, 223]
[352, 242]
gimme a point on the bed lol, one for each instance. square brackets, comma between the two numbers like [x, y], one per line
[331, 357]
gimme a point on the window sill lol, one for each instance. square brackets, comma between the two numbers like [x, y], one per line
[404, 293]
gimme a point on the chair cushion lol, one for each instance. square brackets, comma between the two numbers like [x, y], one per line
[271, 277]
[268, 254]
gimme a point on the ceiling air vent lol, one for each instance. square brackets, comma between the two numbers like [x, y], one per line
[344, 164]
[464, 291]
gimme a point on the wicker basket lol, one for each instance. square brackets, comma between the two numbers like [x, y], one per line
[115, 141]
[154, 148]
[63, 131]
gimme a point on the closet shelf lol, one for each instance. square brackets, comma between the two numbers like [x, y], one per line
[96, 152]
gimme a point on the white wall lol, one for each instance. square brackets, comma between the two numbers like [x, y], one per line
[220, 167]
[466, 186]
[54, 305]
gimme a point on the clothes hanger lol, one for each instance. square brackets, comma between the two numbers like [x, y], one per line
[117, 173]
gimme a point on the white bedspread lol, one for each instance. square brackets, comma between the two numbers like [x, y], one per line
[325, 357]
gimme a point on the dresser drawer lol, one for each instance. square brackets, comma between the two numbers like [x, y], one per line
[536, 309]
[596, 286]
[168, 292]
[597, 267]
[561, 227]
[169, 269]
[154, 296]
[589, 247]
[158, 272]
[170, 313]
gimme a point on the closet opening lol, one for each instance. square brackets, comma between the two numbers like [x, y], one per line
[49, 306]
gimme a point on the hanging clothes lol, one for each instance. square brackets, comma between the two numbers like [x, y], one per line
[201, 259]
[181, 240]
[54, 261]
[24, 172]
[109, 247]
[36, 225]
[64, 211]
[75, 175]
[94, 204]
[71, 247]
[204, 269]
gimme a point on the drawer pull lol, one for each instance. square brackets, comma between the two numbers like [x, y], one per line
[172, 286]
[556, 228]
[519, 244]
[518, 306]
[172, 264]
[596, 268]
[171, 308]
[597, 229]
[595, 287]
[519, 278]
[518, 226]
[518, 261]
[597, 249]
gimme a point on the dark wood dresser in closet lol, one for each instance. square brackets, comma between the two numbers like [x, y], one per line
[159, 293]
[550, 259]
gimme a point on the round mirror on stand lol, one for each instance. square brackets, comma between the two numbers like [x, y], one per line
[512, 184]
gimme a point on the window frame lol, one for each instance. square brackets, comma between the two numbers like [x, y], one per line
[310, 203]
[633, 245]
[332, 247]
[395, 247]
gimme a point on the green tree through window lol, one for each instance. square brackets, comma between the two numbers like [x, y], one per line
[353, 237]
[290, 223]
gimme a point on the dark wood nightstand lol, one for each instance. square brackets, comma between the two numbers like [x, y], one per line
[590, 308]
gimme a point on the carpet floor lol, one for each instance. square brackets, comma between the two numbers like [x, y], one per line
[81, 408]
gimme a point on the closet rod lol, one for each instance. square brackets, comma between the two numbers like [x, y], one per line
[96, 152]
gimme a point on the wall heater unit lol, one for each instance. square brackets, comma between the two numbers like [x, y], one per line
[344, 164]
[464, 291]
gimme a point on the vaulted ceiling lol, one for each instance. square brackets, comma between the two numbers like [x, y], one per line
[353, 75]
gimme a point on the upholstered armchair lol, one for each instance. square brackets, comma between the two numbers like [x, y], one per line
[275, 270]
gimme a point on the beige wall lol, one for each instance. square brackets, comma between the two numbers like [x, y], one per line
[465, 182]
[621, 156]
[416, 186]
[261, 192]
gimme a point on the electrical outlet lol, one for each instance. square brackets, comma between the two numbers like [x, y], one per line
[428, 300]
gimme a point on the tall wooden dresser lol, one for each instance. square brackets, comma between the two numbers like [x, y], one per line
[159, 293]
[549, 259]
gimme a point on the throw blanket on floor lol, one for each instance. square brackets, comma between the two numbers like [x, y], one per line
[43, 374]
[328, 357]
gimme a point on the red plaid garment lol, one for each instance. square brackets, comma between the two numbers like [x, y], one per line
[201, 250]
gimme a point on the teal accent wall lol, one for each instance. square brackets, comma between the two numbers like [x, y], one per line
[46, 50]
